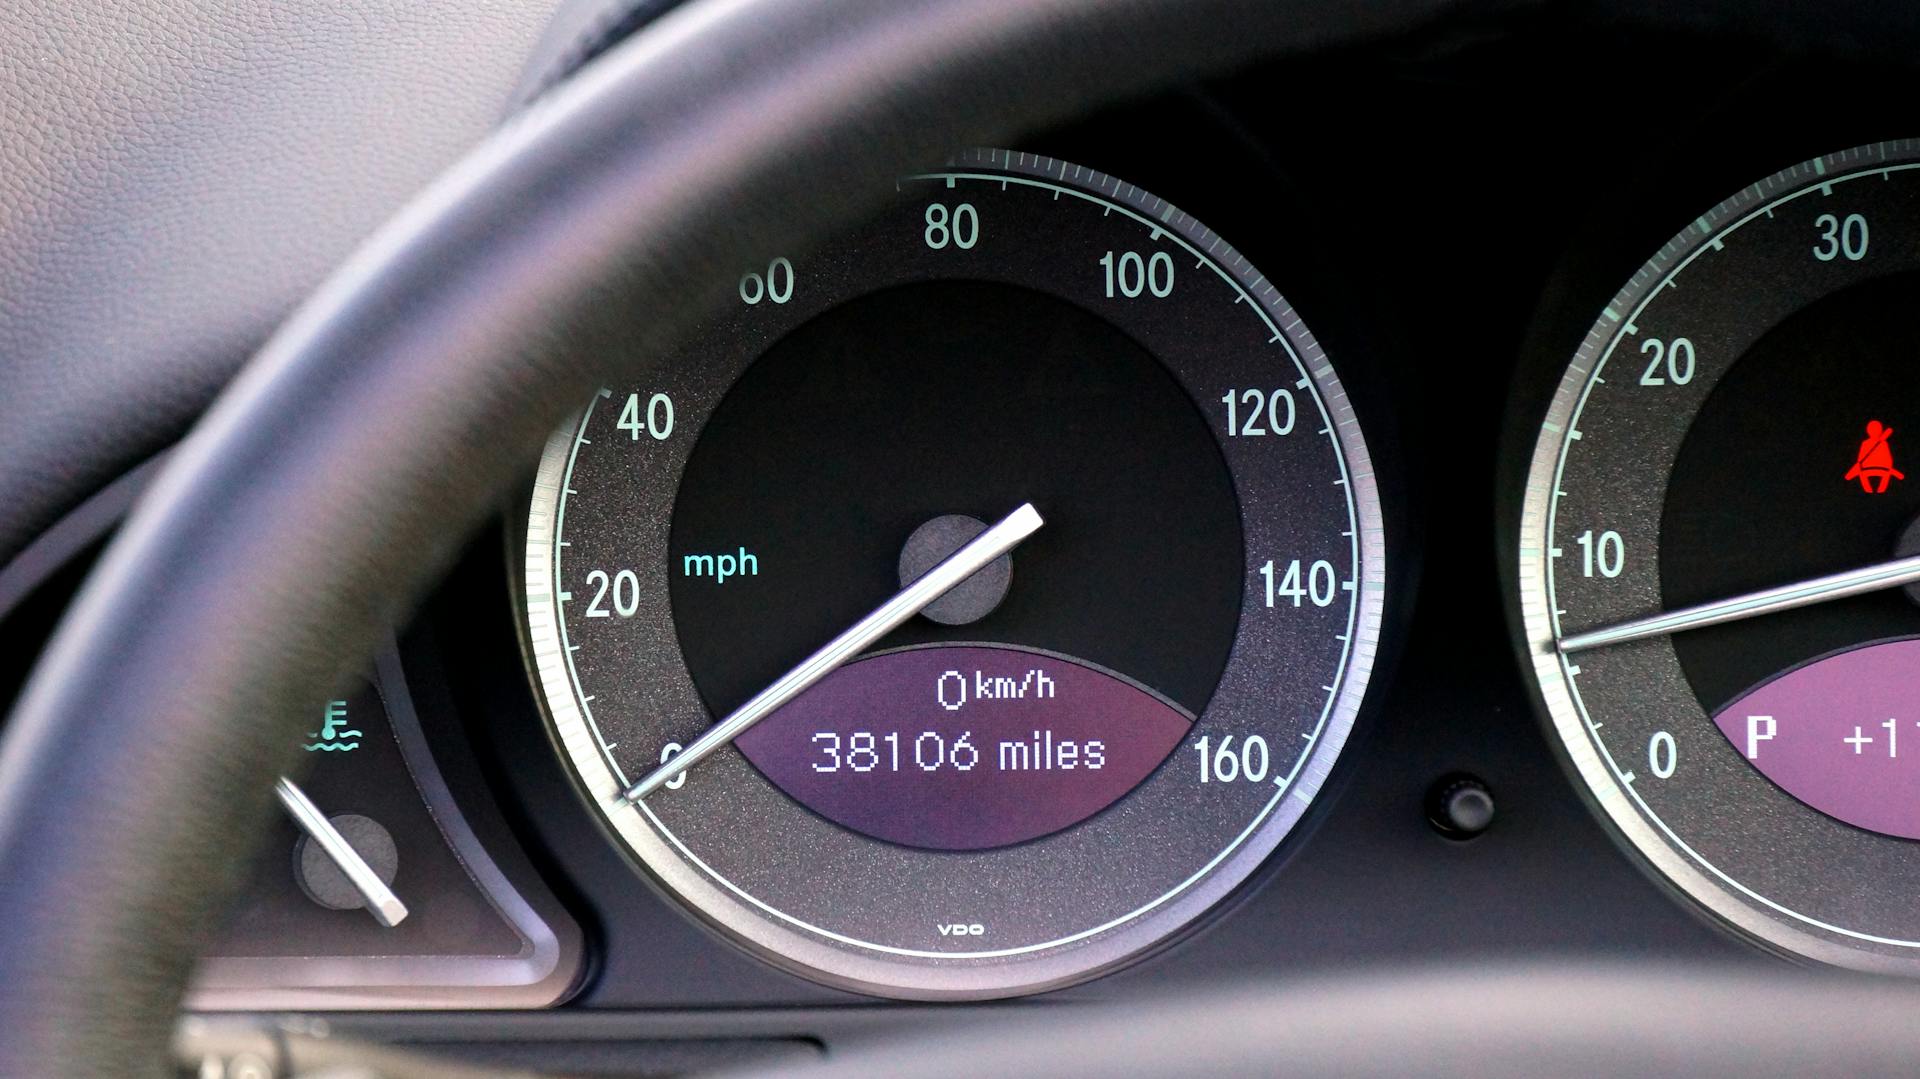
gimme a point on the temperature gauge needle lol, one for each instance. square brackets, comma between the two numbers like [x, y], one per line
[1900, 571]
[385, 907]
[909, 601]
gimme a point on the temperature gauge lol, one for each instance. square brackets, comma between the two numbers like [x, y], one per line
[372, 889]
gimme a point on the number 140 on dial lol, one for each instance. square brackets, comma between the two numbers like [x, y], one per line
[1301, 583]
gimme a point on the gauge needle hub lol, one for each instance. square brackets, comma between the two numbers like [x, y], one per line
[884, 619]
[1894, 574]
[385, 907]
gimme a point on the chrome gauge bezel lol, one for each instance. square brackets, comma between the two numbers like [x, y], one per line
[1609, 784]
[871, 968]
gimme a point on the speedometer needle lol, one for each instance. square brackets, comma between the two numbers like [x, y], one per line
[1900, 571]
[909, 601]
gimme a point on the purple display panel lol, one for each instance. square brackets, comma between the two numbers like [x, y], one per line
[964, 747]
[1841, 734]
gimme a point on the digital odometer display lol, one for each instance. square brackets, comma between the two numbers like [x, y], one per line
[1718, 543]
[964, 747]
[1088, 741]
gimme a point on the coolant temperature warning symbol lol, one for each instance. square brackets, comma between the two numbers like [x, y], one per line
[334, 736]
[1873, 464]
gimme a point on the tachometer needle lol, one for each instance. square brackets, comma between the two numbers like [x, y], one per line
[385, 907]
[1900, 571]
[884, 619]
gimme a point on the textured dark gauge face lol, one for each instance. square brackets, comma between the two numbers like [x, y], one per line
[1087, 743]
[1717, 537]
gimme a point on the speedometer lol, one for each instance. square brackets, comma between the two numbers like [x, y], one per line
[1719, 556]
[978, 601]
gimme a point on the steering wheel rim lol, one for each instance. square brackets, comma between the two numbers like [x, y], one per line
[414, 387]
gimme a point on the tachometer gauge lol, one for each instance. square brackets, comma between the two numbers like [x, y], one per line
[1719, 556]
[1010, 569]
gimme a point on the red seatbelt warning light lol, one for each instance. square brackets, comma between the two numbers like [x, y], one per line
[1873, 465]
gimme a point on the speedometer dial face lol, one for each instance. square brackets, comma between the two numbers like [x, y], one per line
[1716, 560]
[1084, 744]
